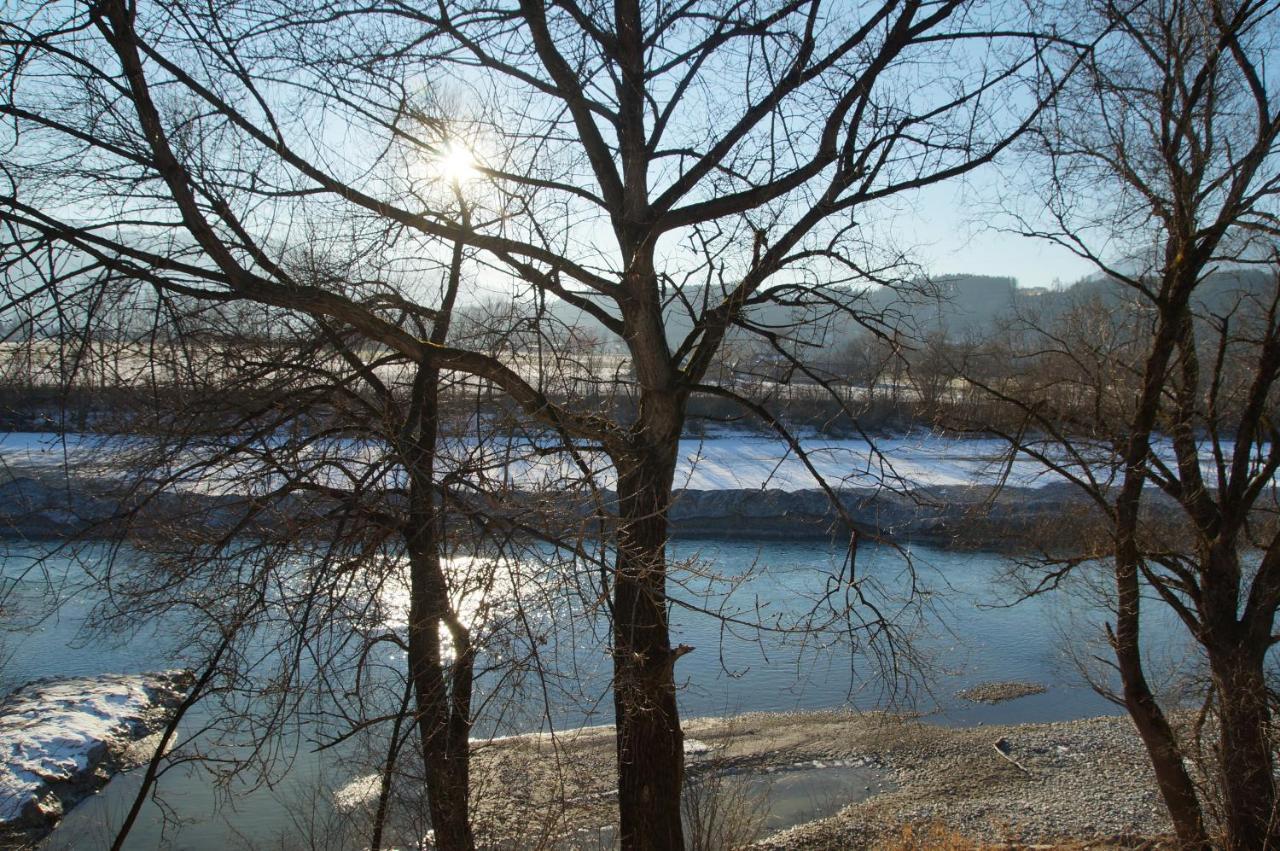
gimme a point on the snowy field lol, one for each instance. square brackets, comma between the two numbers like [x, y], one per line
[725, 461]
[924, 460]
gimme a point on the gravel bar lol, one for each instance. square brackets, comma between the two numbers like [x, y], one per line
[1085, 780]
[1072, 781]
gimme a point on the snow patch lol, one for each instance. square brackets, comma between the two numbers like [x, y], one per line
[696, 747]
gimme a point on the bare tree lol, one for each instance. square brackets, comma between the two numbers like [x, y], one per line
[1161, 169]
[670, 172]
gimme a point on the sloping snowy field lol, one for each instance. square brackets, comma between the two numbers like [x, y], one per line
[56, 731]
[726, 461]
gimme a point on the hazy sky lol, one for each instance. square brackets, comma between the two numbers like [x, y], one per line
[954, 228]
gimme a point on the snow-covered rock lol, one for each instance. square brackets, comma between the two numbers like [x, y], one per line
[696, 747]
[61, 739]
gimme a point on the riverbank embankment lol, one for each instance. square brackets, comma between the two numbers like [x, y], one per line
[44, 504]
[937, 489]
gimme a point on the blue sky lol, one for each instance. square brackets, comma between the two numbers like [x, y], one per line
[956, 228]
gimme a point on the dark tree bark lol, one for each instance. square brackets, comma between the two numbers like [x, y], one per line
[1246, 747]
[1246, 740]
[1176, 786]
[1166, 753]
[443, 689]
[387, 777]
[650, 743]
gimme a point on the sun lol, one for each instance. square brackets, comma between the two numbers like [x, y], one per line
[455, 163]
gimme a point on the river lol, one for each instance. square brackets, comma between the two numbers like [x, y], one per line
[964, 623]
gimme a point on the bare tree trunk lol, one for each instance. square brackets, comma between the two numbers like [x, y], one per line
[443, 699]
[443, 690]
[1175, 784]
[649, 740]
[388, 772]
[170, 730]
[1245, 749]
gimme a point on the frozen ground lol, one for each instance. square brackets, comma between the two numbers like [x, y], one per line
[724, 461]
[57, 732]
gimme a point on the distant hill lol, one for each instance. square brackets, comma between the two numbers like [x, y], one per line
[959, 305]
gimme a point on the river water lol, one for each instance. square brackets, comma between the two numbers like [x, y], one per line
[964, 625]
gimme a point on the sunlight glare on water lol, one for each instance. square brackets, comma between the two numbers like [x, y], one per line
[481, 593]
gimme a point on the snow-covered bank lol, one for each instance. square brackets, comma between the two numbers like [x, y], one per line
[923, 487]
[47, 506]
[62, 739]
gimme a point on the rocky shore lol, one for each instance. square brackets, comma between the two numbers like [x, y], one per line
[1075, 781]
[1085, 780]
